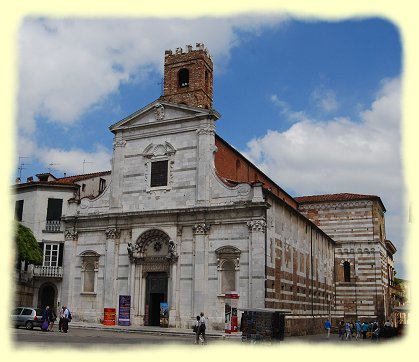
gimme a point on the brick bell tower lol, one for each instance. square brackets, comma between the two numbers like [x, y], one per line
[188, 77]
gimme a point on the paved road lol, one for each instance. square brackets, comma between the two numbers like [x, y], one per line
[82, 337]
[97, 337]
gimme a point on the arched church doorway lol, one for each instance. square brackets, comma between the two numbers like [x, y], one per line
[47, 296]
[156, 293]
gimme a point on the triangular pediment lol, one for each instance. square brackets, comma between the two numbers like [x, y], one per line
[159, 112]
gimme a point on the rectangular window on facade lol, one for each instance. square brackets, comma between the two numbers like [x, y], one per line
[54, 210]
[51, 254]
[18, 210]
[102, 185]
[159, 173]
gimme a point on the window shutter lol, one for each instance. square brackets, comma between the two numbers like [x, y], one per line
[60, 254]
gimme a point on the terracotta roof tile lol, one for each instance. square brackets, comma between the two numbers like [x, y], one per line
[336, 197]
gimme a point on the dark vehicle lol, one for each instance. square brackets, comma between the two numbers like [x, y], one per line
[27, 317]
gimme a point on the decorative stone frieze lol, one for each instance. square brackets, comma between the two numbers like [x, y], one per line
[112, 233]
[201, 229]
[119, 143]
[208, 129]
[257, 225]
[71, 235]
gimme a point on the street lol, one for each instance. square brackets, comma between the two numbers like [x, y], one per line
[81, 337]
[92, 338]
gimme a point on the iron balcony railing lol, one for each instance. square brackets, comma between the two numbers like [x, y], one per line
[48, 271]
[53, 225]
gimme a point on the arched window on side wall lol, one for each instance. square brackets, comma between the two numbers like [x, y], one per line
[228, 266]
[183, 78]
[346, 271]
[89, 271]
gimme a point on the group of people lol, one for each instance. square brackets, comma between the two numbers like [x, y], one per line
[200, 327]
[49, 316]
[349, 330]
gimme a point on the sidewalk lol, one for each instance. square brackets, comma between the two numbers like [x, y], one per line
[153, 330]
[213, 334]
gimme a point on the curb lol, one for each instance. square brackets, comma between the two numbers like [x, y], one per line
[153, 330]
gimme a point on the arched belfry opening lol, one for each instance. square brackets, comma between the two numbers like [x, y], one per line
[183, 78]
[153, 254]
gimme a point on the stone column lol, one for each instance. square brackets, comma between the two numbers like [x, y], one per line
[257, 230]
[70, 258]
[204, 156]
[117, 176]
[111, 267]
[200, 268]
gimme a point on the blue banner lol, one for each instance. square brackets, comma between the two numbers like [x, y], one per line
[124, 310]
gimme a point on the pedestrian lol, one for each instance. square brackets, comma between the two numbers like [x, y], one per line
[202, 326]
[376, 333]
[327, 327]
[51, 318]
[196, 329]
[364, 328]
[61, 322]
[65, 318]
[45, 323]
[348, 330]
[341, 329]
[358, 330]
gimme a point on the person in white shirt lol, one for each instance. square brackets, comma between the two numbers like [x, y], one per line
[65, 319]
[202, 326]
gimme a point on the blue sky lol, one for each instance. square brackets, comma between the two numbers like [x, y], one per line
[314, 104]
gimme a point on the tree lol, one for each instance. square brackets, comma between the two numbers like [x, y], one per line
[27, 248]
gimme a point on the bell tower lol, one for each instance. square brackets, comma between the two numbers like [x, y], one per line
[188, 77]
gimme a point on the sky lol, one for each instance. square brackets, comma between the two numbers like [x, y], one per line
[315, 104]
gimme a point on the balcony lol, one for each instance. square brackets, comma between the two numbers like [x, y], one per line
[53, 226]
[48, 271]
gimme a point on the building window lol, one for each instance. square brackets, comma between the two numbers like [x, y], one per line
[51, 253]
[102, 185]
[228, 277]
[89, 271]
[346, 271]
[183, 78]
[54, 210]
[228, 259]
[158, 173]
[18, 210]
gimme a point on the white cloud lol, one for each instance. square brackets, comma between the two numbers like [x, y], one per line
[324, 99]
[285, 110]
[68, 65]
[341, 155]
[76, 161]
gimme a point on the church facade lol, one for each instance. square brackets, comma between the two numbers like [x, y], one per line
[185, 220]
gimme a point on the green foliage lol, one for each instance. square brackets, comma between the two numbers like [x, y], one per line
[27, 247]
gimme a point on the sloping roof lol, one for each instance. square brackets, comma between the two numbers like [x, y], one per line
[63, 181]
[337, 197]
[76, 178]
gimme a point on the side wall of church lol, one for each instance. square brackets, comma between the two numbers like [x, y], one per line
[358, 228]
[300, 277]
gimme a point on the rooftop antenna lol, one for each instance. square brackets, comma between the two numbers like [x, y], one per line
[51, 168]
[84, 162]
[21, 165]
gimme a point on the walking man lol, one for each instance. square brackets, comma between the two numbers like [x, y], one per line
[202, 326]
[327, 327]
